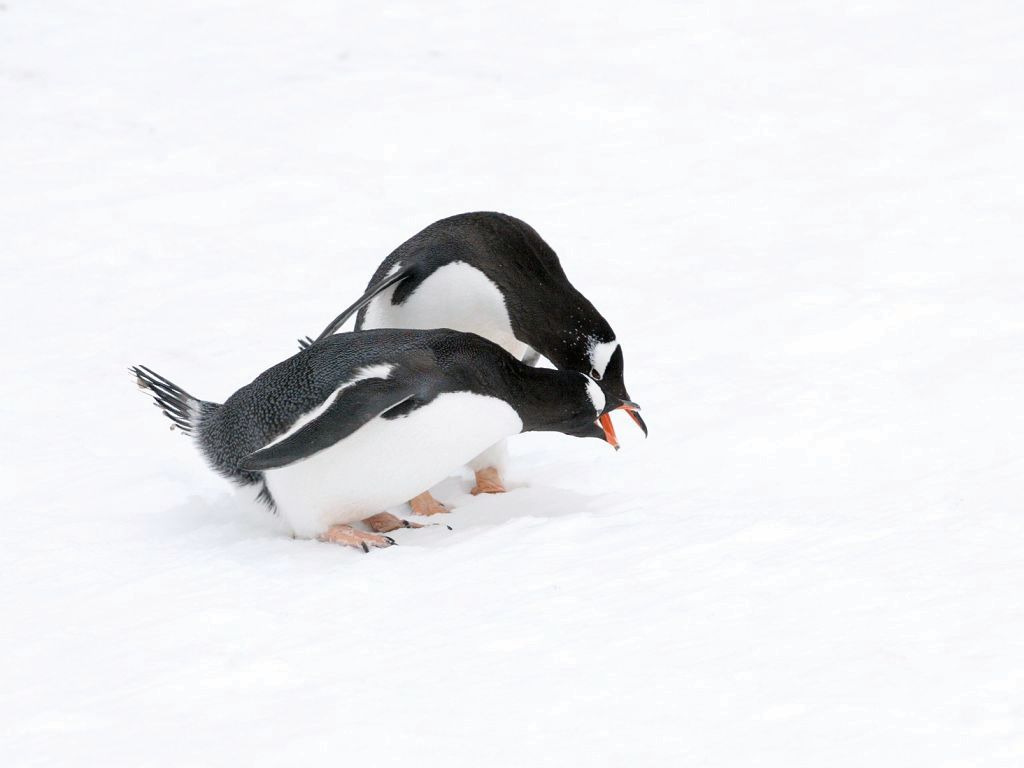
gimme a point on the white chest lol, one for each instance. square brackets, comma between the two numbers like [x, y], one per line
[456, 296]
[387, 462]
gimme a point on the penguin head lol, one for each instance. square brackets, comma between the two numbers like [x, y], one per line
[585, 342]
[608, 369]
[567, 402]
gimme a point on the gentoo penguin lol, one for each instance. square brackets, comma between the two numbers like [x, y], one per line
[492, 274]
[362, 421]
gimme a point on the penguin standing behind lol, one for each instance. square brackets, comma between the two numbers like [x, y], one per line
[324, 431]
[492, 274]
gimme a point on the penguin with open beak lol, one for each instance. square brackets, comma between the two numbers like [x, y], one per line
[362, 421]
[492, 274]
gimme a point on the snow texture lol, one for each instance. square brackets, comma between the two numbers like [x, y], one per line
[804, 221]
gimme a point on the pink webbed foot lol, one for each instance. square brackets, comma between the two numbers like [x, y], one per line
[488, 481]
[383, 522]
[349, 536]
[425, 504]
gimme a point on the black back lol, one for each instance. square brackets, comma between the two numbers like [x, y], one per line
[424, 365]
[545, 310]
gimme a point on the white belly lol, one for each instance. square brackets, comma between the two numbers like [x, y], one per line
[456, 296]
[387, 462]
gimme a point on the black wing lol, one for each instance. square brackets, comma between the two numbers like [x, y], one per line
[353, 408]
[366, 298]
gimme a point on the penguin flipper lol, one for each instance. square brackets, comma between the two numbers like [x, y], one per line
[362, 301]
[352, 408]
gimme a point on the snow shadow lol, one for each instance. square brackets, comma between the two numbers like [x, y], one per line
[235, 518]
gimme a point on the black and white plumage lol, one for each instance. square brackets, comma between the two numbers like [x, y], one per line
[362, 421]
[492, 274]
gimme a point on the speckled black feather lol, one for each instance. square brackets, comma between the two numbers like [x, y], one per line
[545, 309]
[424, 365]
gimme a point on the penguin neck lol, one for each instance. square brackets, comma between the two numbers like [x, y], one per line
[539, 396]
[564, 330]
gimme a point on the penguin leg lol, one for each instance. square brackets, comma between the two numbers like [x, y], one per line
[488, 480]
[346, 534]
[488, 467]
[383, 522]
[426, 504]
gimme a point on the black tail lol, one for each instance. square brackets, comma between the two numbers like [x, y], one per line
[363, 300]
[202, 420]
[178, 405]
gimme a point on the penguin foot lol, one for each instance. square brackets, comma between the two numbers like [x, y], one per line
[383, 522]
[488, 481]
[346, 534]
[425, 504]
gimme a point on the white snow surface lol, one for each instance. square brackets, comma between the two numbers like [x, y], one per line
[804, 221]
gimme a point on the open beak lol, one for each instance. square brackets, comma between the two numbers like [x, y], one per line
[634, 413]
[605, 420]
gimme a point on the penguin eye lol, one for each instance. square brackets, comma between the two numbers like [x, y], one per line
[594, 374]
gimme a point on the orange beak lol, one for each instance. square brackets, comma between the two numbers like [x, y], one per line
[605, 421]
[633, 410]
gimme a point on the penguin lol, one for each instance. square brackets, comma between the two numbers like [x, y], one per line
[492, 274]
[322, 432]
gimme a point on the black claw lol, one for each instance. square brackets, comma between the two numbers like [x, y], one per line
[448, 527]
[406, 524]
[391, 542]
[365, 548]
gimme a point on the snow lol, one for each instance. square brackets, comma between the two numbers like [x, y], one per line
[804, 222]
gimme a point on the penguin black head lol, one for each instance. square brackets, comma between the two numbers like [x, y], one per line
[566, 402]
[608, 369]
[578, 338]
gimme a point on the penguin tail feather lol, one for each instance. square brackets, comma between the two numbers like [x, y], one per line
[179, 406]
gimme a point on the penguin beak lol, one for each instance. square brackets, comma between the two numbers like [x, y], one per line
[634, 413]
[605, 421]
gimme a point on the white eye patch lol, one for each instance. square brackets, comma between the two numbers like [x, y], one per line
[601, 354]
[596, 395]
